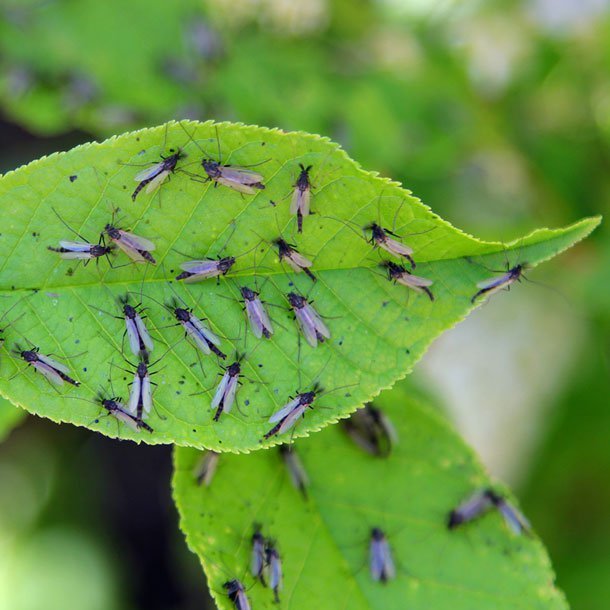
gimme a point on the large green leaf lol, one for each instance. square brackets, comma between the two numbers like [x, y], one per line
[324, 541]
[378, 329]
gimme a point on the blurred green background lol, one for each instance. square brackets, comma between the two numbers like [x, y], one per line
[496, 114]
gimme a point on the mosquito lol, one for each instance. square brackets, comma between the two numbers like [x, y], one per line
[52, 370]
[258, 317]
[273, 569]
[401, 275]
[288, 253]
[313, 328]
[119, 411]
[140, 341]
[301, 197]
[371, 430]
[206, 468]
[137, 248]
[237, 594]
[227, 388]
[153, 177]
[381, 562]
[495, 284]
[198, 270]
[237, 178]
[470, 509]
[81, 250]
[257, 561]
[295, 468]
[289, 414]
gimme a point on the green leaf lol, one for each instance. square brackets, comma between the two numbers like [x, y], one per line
[10, 417]
[379, 330]
[324, 541]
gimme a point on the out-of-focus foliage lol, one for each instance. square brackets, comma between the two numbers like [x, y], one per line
[10, 416]
[495, 114]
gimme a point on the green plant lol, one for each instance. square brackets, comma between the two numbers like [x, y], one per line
[378, 330]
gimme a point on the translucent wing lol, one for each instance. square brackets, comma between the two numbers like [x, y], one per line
[292, 418]
[75, 246]
[130, 251]
[494, 282]
[236, 186]
[200, 267]
[53, 364]
[157, 181]
[149, 172]
[318, 323]
[127, 419]
[240, 175]
[144, 334]
[196, 336]
[134, 397]
[205, 331]
[307, 324]
[220, 391]
[132, 335]
[300, 260]
[230, 393]
[135, 241]
[146, 394]
[50, 373]
[300, 202]
[395, 247]
[415, 281]
[285, 410]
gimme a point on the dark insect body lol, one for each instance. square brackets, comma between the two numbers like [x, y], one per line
[401, 275]
[198, 270]
[493, 285]
[297, 262]
[53, 371]
[117, 409]
[301, 197]
[153, 177]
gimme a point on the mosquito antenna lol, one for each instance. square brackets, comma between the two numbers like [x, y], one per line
[396, 215]
[63, 222]
[347, 223]
[218, 145]
[190, 137]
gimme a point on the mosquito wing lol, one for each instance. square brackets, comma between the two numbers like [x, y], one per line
[230, 392]
[133, 335]
[135, 241]
[144, 334]
[292, 418]
[395, 247]
[146, 394]
[49, 372]
[220, 391]
[126, 418]
[134, 397]
[53, 364]
[195, 334]
[318, 323]
[205, 331]
[157, 181]
[307, 324]
[285, 410]
[300, 202]
[149, 172]
[300, 260]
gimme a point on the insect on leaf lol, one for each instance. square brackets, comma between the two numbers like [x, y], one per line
[324, 540]
[378, 328]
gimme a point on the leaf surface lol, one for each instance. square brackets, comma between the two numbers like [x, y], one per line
[378, 329]
[324, 540]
